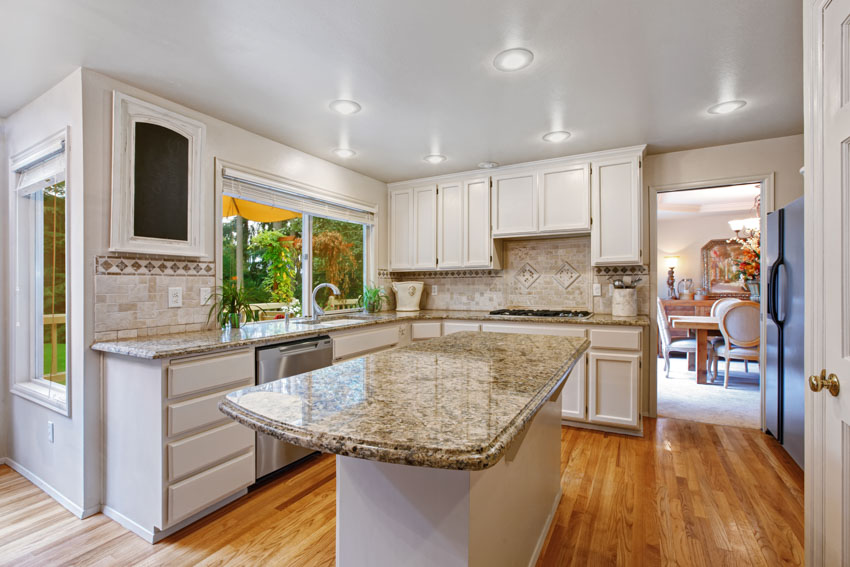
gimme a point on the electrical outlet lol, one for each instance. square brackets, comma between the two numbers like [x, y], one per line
[205, 295]
[434, 290]
[50, 431]
[597, 290]
[175, 297]
[610, 290]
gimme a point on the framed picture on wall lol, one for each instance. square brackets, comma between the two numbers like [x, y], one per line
[156, 180]
[719, 271]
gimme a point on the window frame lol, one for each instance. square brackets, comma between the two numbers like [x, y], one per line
[28, 384]
[369, 231]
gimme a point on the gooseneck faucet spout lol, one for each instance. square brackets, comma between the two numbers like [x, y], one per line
[317, 311]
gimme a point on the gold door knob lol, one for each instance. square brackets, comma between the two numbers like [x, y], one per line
[818, 383]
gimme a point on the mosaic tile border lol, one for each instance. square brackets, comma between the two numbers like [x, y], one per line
[621, 270]
[440, 274]
[150, 266]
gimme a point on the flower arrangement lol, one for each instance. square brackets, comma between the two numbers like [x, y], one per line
[748, 262]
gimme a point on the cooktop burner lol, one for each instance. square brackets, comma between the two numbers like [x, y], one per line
[543, 313]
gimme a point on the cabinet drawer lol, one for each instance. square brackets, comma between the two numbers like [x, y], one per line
[198, 412]
[364, 341]
[206, 373]
[457, 327]
[558, 330]
[429, 330]
[625, 339]
[198, 451]
[196, 493]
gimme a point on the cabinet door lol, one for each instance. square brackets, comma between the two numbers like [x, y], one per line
[450, 327]
[401, 229]
[478, 242]
[616, 226]
[425, 227]
[515, 203]
[565, 198]
[574, 394]
[450, 225]
[613, 385]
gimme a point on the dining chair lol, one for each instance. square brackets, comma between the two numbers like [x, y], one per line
[717, 341]
[667, 344]
[740, 326]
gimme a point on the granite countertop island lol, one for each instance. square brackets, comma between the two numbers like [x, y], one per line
[448, 450]
[454, 402]
[267, 332]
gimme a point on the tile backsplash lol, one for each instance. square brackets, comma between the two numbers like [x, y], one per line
[131, 296]
[543, 274]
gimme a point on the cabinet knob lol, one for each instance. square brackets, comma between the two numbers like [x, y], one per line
[818, 383]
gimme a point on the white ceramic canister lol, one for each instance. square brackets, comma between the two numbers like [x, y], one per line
[624, 303]
[407, 295]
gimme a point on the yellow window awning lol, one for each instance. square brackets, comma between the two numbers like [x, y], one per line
[231, 206]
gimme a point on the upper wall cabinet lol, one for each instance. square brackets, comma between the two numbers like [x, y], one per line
[514, 207]
[450, 219]
[156, 180]
[478, 251]
[617, 208]
[413, 228]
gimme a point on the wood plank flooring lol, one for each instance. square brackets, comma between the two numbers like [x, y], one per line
[685, 494]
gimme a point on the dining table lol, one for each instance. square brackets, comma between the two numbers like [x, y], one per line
[700, 325]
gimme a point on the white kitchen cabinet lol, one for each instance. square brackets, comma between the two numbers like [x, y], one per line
[425, 227]
[401, 229]
[564, 198]
[613, 388]
[421, 330]
[349, 344]
[478, 249]
[514, 206]
[574, 394]
[450, 327]
[615, 237]
[450, 224]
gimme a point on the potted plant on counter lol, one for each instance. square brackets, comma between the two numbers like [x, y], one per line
[230, 304]
[372, 298]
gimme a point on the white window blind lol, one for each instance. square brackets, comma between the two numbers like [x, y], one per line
[243, 185]
[42, 170]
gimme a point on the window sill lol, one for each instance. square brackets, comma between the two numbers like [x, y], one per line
[38, 392]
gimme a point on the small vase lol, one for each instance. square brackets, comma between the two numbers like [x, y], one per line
[234, 320]
[754, 286]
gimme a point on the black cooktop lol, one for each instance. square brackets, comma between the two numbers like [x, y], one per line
[543, 313]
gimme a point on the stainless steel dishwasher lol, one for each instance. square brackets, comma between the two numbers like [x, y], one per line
[280, 361]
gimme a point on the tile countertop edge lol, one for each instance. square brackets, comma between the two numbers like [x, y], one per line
[201, 342]
[431, 457]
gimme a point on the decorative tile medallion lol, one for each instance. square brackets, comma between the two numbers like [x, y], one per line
[133, 266]
[566, 275]
[527, 275]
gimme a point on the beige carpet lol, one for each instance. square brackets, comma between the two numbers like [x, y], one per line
[681, 397]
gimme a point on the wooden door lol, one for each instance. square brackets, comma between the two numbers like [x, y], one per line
[478, 243]
[515, 203]
[616, 225]
[425, 227]
[827, 461]
[564, 198]
[401, 229]
[450, 217]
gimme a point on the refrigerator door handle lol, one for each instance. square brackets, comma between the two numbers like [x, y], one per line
[771, 290]
[779, 294]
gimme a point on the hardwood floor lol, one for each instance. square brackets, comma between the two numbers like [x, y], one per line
[685, 494]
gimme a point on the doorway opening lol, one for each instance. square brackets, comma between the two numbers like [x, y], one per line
[708, 304]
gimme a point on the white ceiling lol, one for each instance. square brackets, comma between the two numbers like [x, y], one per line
[734, 201]
[612, 72]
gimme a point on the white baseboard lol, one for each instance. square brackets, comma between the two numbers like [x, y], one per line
[78, 511]
[126, 522]
[605, 428]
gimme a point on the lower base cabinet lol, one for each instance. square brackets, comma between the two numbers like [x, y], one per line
[613, 391]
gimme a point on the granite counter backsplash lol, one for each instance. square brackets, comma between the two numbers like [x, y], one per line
[455, 402]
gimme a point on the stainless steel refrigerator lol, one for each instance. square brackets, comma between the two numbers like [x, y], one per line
[784, 378]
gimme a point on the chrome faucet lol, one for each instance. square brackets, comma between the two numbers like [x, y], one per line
[316, 309]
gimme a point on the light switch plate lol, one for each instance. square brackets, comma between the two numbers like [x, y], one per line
[205, 294]
[175, 297]
[610, 290]
[434, 290]
[597, 290]
[50, 432]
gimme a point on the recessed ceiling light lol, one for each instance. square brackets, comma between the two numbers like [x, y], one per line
[488, 164]
[513, 59]
[556, 136]
[345, 106]
[727, 107]
[344, 153]
[435, 158]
